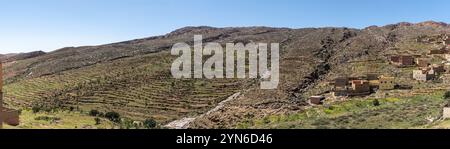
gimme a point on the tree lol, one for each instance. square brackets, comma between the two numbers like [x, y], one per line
[376, 103]
[113, 116]
[94, 112]
[150, 123]
[447, 95]
[36, 109]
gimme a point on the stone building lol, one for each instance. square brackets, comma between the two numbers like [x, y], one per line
[438, 69]
[424, 74]
[360, 86]
[351, 86]
[402, 60]
[316, 99]
[386, 83]
[423, 62]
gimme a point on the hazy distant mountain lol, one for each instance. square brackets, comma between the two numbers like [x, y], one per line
[19, 56]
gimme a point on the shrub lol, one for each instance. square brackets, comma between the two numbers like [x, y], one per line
[94, 113]
[447, 95]
[127, 124]
[376, 103]
[36, 109]
[101, 114]
[113, 116]
[150, 123]
[47, 118]
[97, 121]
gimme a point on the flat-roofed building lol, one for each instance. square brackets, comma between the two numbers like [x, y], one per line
[386, 83]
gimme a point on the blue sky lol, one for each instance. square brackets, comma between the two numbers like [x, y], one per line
[29, 25]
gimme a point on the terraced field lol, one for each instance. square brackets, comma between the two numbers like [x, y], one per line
[137, 88]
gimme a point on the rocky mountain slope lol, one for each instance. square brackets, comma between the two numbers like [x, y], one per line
[133, 77]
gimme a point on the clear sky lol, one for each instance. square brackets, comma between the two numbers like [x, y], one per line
[29, 25]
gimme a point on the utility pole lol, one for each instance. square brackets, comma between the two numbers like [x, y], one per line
[8, 116]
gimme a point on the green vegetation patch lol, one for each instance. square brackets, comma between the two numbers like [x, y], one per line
[412, 112]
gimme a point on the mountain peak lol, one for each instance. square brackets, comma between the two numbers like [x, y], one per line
[189, 29]
[433, 24]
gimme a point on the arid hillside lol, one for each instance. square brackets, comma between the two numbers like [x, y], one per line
[133, 79]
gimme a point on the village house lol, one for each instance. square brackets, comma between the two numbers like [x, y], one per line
[386, 83]
[10, 116]
[360, 86]
[423, 62]
[316, 100]
[351, 86]
[402, 60]
[373, 80]
[438, 69]
[425, 74]
[341, 83]
[372, 76]
[438, 52]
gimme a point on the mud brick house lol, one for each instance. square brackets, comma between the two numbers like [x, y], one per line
[359, 88]
[441, 52]
[386, 83]
[372, 76]
[423, 62]
[9, 116]
[424, 74]
[438, 69]
[341, 83]
[351, 86]
[316, 100]
[402, 60]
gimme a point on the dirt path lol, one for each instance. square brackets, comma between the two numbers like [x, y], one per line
[185, 122]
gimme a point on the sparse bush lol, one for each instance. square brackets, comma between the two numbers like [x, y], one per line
[127, 124]
[94, 113]
[376, 103]
[113, 116]
[47, 118]
[36, 109]
[97, 121]
[101, 114]
[447, 95]
[150, 123]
